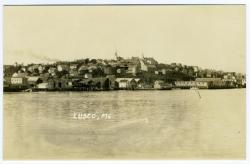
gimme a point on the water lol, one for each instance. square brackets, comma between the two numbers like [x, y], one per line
[174, 124]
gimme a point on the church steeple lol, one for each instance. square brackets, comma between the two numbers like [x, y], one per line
[142, 55]
[116, 54]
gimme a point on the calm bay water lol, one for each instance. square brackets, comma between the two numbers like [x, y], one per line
[174, 124]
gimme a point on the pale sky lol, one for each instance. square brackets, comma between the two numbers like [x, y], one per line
[209, 36]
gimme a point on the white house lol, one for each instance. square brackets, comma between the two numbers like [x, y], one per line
[19, 79]
[126, 83]
[43, 86]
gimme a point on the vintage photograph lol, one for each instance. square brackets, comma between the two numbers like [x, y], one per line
[124, 82]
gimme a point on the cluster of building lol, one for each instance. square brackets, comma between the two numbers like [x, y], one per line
[120, 73]
[210, 83]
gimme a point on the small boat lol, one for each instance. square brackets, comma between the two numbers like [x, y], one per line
[194, 88]
[165, 88]
[27, 90]
[30, 90]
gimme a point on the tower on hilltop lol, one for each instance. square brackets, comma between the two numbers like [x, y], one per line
[117, 56]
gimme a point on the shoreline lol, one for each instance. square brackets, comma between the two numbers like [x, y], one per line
[77, 90]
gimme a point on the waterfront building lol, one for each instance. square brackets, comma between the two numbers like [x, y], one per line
[19, 81]
[111, 81]
[211, 82]
[101, 83]
[216, 83]
[44, 77]
[6, 83]
[43, 86]
[192, 84]
[34, 80]
[59, 83]
[126, 83]
[160, 84]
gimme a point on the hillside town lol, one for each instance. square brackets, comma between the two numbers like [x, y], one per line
[135, 73]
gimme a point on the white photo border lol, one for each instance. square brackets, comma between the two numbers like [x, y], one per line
[126, 2]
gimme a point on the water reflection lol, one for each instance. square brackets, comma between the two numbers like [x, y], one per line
[144, 125]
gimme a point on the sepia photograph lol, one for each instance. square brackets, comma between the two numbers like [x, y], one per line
[124, 82]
